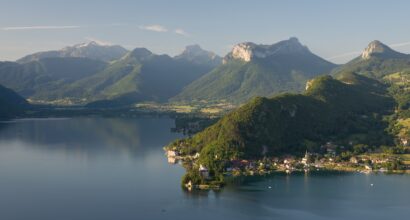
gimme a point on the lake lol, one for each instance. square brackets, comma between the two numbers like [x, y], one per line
[115, 168]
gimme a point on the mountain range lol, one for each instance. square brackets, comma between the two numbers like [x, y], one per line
[141, 76]
[106, 75]
[251, 70]
[92, 50]
[367, 102]
[81, 74]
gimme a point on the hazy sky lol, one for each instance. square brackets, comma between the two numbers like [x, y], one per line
[336, 30]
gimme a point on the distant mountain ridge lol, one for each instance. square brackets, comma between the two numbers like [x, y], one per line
[251, 70]
[142, 76]
[91, 72]
[76, 75]
[91, 50]
[377, 60]
[194, 53]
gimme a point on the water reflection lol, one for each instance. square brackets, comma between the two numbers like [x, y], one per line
[90, 135]
[39, 181]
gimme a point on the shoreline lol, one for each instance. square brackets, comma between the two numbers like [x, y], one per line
[270, 166]
[213, 186]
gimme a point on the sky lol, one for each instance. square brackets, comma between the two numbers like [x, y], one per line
[333, 29]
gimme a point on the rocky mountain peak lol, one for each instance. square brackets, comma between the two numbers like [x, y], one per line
[194, 53]
[195, 48]
[375, 47]
[247, 51]
[140, 53]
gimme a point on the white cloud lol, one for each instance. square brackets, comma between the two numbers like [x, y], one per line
[19, 28]
[182, 32]
[155, 27]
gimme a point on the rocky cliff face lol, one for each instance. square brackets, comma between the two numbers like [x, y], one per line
[309, 83]
[248, 51]
[373, 48]
[377, 48]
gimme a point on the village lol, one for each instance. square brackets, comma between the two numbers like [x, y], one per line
[330, 160]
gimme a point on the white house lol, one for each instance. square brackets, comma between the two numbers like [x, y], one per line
[404, 141]
[172, 153]
[203, 171]
[306, 159]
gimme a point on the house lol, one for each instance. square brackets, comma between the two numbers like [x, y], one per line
[289, 160]
[203, 171]
[404, 142]
[172, 160]
[172, 153]
[354, 160]
[306, 159]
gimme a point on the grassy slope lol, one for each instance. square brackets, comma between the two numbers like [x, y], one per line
[239, 81]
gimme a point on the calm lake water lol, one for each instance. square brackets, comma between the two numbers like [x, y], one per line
[104, 168]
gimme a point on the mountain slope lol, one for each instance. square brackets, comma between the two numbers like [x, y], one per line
[91, 50]
[11, 104]
[139, 76]
[376, 61]
[76, 75]
[43, 79]
[251, 70]
[343, 111]
[380, 62]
